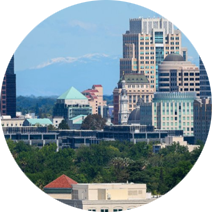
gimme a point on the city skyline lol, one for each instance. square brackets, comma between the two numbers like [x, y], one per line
[55, 47]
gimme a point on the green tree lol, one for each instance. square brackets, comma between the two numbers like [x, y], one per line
[63, 125]
[93, 122]
[51, 127]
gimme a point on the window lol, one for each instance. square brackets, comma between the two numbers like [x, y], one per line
[115, 210]
[104, 210]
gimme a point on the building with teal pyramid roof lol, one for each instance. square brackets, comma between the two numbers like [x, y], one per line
[70, 104]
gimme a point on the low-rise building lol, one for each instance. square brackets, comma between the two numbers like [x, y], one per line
[7, 121]
[169, 140]
[60, 188]
[37, 122]
[71, 104]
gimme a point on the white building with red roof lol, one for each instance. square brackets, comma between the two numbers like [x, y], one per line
[60, 188]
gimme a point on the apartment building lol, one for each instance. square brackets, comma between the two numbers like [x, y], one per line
[95, 98]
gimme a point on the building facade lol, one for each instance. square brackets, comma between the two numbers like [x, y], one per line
[71, 104]
[146, 44]
[8, 91]
[137, 86]
[95, 97]
[205, 90]
[123, 110]
[202, 118]
[170, 111]
[177, 75]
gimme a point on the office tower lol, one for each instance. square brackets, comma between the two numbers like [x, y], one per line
[137, 86]
[8, 91]
[145, 46]
[95, 98]
[205, 90]
[170, 111]
[177, 75]
[202, 118]
[71, 104]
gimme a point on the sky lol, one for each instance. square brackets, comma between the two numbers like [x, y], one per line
[81, 31]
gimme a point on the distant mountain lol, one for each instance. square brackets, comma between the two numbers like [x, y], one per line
[57, 75]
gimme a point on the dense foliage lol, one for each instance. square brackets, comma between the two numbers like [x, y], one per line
[107, 162]
[93, 122]
[63, 125]
[41, 106]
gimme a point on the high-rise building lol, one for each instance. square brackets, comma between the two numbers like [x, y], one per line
[170, 111]
[202, 118]
[137, 86]
[205, 90]
[146, 44]
[8, 91]
[177, 75]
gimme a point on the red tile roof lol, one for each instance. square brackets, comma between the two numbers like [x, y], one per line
[61, 182]
[97, 85]
[89, 91]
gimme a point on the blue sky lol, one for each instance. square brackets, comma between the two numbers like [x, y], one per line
[78, 32]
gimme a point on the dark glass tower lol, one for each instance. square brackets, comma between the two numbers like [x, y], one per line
[205, 90]
[8, 91]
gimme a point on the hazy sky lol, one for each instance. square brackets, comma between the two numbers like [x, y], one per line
[81, 31]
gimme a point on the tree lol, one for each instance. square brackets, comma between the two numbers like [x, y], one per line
[51, 127]
[63, 125]
[93, 122]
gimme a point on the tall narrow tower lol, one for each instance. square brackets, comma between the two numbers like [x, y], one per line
[8, 91]
[123, 110]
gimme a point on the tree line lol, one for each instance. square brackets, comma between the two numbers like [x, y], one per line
[106, 162]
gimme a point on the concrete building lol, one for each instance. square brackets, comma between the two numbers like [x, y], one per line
[177, 75]
[60, 188]
[205, 90]
[146, 44]
[170, 140]
[95, 98]
[202, 118]
[123, 109]
[70, 104]
[109, 191]
[170, 111]
[33, 136]
[7, 121]
[137, 86]
[57, 120]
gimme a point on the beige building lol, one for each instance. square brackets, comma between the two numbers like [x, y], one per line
[146, 44]
[137, 86]
[95, 97]
[7, 121]
[109, 197]
[169, 140]
[109, 191]
[177, 75]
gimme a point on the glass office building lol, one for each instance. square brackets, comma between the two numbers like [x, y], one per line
[205, 63]
[8, 91]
